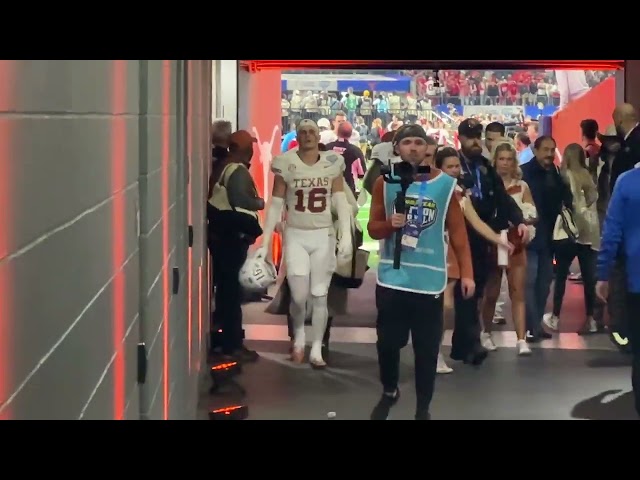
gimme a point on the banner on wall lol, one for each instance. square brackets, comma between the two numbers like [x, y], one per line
[316, 82]
[264, 123]
[506, 110]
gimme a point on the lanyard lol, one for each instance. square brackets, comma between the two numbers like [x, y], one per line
[476, 191]
[421, 194]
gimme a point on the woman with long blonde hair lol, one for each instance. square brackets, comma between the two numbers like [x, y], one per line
[504, 159]
[585, 214]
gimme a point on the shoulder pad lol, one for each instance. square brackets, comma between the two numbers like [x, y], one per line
[279, 164]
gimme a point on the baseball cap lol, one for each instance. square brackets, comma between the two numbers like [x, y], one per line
[324, 123]
[242, 139]
[470, 128]
[407, 131]
[306, 123]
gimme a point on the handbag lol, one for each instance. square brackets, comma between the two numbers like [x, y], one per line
[565, 229]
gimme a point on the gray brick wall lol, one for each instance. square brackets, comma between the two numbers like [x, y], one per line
[94, 205]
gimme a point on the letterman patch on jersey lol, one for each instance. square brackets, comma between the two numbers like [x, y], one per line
[332, 158]
[429, 213]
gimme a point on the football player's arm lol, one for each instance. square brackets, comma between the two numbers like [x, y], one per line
[458, 238]
[373, 173]
[476, 222]
[276, 205]
[379, 227]
[341, 205]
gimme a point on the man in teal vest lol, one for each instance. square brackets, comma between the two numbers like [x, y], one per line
[410, 299]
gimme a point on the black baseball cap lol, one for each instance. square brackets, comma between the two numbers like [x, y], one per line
[470, 128]
[407, 131]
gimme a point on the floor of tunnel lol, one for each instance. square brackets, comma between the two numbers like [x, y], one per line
[552, 384]
[567, 377]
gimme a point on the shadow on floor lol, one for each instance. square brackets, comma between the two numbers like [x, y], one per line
[608, 405]
[610, 362]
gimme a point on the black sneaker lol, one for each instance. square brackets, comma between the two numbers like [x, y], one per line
[243, 355]
[382, 408]
[423, 414]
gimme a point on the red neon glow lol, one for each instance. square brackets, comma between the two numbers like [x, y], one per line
[8, 74]
[166, 145]
[118, 227]
[199, 314]
[224, 366]
[257, 65]
[189, 216]
[227, 410]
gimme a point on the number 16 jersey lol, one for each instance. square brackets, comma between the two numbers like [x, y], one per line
[308, 196]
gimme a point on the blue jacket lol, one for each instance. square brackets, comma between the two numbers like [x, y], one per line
[621, 231]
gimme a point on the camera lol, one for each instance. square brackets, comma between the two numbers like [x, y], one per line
[405, 172]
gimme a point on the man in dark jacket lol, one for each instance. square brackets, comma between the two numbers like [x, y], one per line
[497, 209]
[625, 118]
[550, 192]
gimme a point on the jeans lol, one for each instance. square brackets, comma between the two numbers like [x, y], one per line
[539, 278]
[587, 257]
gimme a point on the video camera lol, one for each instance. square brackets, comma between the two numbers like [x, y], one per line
[403, 173]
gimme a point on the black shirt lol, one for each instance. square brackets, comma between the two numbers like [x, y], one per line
[351, 153]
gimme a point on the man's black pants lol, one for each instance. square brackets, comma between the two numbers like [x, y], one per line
[633, 325]
[617, 301]
[401, 313]
[228, 256]
[466, 330]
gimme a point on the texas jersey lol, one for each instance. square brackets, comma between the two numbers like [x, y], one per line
[308, 197]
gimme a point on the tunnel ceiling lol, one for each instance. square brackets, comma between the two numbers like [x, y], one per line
[257, 65]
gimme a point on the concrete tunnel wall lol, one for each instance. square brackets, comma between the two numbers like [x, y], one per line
[103, 165]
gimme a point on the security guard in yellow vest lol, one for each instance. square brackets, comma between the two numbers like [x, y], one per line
[233, 227]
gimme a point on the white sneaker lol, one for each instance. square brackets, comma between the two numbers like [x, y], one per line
[442, 367]
[522, 347]
[551, 321]
[487, 342]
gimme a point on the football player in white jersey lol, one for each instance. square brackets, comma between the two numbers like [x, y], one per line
[308, 183]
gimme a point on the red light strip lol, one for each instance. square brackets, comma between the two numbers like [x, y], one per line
[7, 102]
[257, 65]
[119, 229]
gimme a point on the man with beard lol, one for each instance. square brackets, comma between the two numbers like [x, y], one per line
[497, 209]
